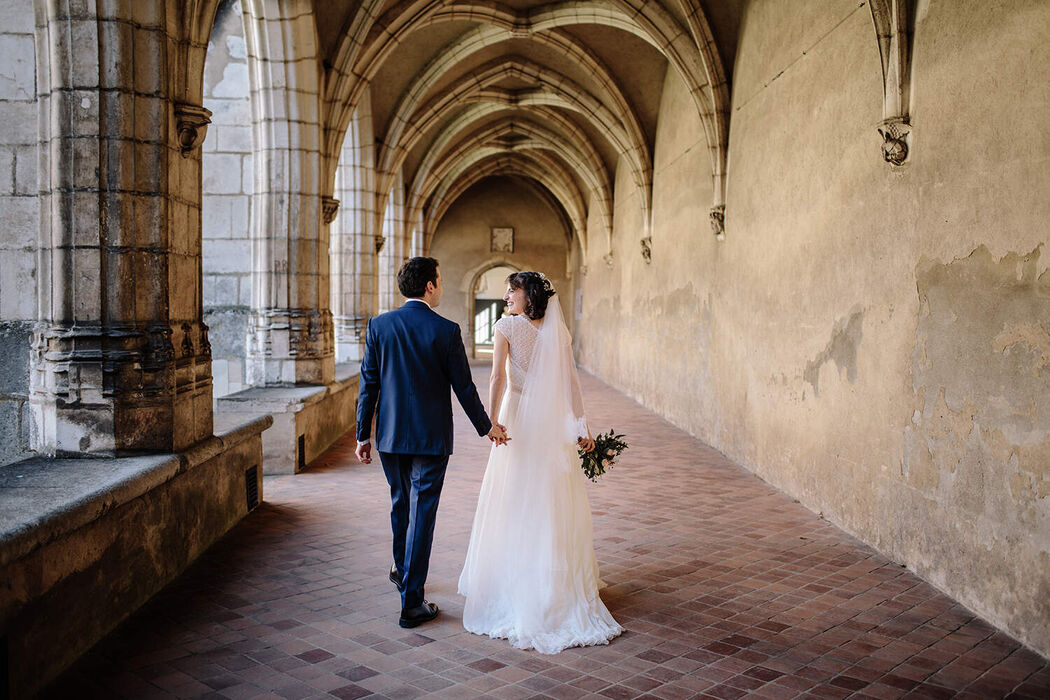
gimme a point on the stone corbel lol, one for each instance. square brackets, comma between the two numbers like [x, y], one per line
[191, 124]
[647, 249]
[717, 216]
[329, 208]
[893, 31]
[894, 134]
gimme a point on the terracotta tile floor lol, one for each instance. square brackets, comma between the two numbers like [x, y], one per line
[726, 588]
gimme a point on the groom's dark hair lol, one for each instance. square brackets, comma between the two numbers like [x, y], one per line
[413, 276]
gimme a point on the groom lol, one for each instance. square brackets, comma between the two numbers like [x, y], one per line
[412, 358]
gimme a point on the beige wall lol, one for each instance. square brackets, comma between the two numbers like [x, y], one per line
[872, 340]
[462, 244]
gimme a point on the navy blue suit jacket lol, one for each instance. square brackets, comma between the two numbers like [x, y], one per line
[413, 357]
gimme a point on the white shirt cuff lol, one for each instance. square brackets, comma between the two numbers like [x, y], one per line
[364, 442]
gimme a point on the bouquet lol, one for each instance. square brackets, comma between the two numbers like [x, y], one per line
[607, 447]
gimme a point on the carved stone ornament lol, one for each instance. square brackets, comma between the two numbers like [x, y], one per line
[608, 258]
[329, 207]
[502, 239]
[647, 249]
[380, 242]
[187, 340]
[718, 222]
[191, 123]
[895, 134]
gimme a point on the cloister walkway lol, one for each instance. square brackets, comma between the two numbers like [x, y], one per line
[726, 588]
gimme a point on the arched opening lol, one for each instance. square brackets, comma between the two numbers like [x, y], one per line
[391, 253]
[487, 306]
[19, 187]
[352, 242]
[226, 170]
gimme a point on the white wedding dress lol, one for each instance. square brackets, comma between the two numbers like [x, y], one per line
[530, 575]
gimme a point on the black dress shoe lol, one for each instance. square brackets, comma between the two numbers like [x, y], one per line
[395, 578]
[412, 617]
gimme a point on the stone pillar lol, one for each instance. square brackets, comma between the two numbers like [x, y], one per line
[120, 358]
[290, 337]
[393, 251]
[353, 239]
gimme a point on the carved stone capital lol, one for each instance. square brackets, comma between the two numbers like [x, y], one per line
[350, 329]
[104, 389]
[329, 207]
[647, 249]
[895, 135]
[290, 333]
[380, 241]
[718, 221]
[191, 124]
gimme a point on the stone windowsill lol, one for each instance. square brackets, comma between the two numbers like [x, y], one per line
[43, 498]
[286, 399]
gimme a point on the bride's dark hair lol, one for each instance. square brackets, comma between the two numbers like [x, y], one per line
[538, 291]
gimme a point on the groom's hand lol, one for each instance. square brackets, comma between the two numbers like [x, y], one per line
[498, 434]
[364, 453]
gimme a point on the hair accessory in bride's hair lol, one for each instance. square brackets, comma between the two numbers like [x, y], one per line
[547, 286]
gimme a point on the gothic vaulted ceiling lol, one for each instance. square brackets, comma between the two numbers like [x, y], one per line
[560, 93]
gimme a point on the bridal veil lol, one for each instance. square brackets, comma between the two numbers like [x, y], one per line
[530, 574]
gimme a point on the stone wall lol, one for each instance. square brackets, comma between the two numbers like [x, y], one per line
[84, 543]
[21, 221]
[871, 339]
[462, 245]
[227, 172]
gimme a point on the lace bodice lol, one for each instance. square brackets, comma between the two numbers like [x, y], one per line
[521, 335]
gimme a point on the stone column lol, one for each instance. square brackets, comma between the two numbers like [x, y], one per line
[120, 358]
[394, 251]
[353, 239]
[290, 339]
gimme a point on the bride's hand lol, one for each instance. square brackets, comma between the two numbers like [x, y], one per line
[586, 443]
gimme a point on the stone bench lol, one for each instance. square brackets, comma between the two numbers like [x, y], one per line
[306, 419]
[85, 542]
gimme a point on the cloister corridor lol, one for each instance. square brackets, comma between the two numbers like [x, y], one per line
[726, 587]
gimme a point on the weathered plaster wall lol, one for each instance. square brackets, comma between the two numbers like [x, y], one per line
[227, 173]
[462, 245]
[21, 220]
[872, 340]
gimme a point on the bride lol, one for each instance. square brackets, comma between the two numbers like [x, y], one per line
[530, 574]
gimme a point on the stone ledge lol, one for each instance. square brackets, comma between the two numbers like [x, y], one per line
[306, 419]
[84, 542]
[43, 498]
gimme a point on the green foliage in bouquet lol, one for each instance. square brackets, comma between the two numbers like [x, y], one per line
[607, 447]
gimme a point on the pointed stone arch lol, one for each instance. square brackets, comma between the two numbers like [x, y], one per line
[577, 153]
[290, 329]
[353, 238]
[553, 90]
[550, 172]
[689, 49]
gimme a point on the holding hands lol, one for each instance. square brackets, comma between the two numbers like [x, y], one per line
[498, 434]
[364, 452]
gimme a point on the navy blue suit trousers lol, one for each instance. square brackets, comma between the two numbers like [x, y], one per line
[414, 361]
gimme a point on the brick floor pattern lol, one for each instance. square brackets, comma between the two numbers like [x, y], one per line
[726, 587]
